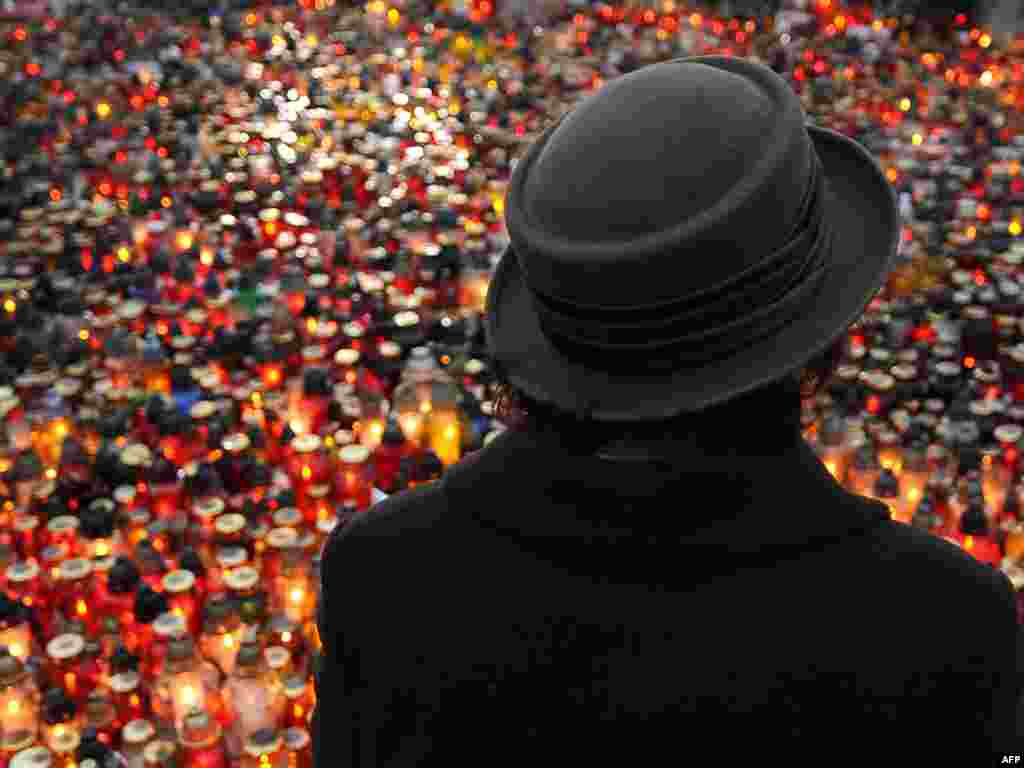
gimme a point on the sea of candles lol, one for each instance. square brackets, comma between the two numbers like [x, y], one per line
[240, 295]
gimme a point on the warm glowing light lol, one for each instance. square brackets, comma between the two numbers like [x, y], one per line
[103, 110]
[124, 255]
[296, 595]
[904, 104]
[969, 362]
[425, 406]
[306, 472]
[1015, 227]
[229, 641]
[917, 139]
[10, 306]
[81, 608]
[986, 77]
[184, 240]
[286, 637]
[985, 41]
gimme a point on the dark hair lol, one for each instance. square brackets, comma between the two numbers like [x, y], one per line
[517, 410]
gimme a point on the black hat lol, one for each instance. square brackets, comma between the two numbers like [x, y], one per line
[683, 237]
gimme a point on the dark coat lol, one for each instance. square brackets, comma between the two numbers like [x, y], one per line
[537, 609]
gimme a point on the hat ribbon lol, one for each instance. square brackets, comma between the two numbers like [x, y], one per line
[707, 325]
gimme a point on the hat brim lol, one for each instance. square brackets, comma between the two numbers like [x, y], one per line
[862, 208]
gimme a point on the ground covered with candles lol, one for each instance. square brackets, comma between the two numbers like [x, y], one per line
[243, 257]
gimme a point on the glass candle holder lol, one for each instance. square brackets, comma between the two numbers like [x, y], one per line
[16, 635]
[128, 697]
[278, 661]
[25, 584]
[32, 757]
[28, 538]
[76, 588]
[180, 588]
[222, 634]
[253, 697]
[63, 531]
[165, 629]
[299, 694]
[264, 749]
[160, 753]
[296, 593]
[299, 747]
[308, 464]
[64, 745]
[135, 737]
[201, 741]
[279, 540]
[64, 664]
[355, 475]
[19, 705]
[186, 683]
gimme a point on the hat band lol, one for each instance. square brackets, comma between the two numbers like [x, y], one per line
[711, 324]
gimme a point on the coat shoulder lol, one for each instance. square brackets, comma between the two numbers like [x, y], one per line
[930, 566]
[416, 509]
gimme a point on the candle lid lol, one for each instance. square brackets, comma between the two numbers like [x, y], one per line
[388, 348]
[277, 657]
[327, 524]
[235, 443]
[296, 739]
[199, 730]
[125, 682]
[346, 357]
[130, 309]
[305, 443]
[319, 491]
[158, 752]
[295, 686]
[287, 517]
[169, 625]
[283, 537]
[265, 741]
[353, 454]
[65, 646]
[33, 757]
[208, 507]
[1008, 433]
[178, 581]
[64, 741]
[76, 568]
[230, 523]
[981, 407]
[22, 571]
[138, 731]
[242, 578]
[68, 387]
[136, 455]
[231, 557]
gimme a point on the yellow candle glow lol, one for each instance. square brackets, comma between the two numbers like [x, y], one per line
[446, 436]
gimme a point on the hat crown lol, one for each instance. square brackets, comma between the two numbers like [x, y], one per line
[672, 180]
[653, 148]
